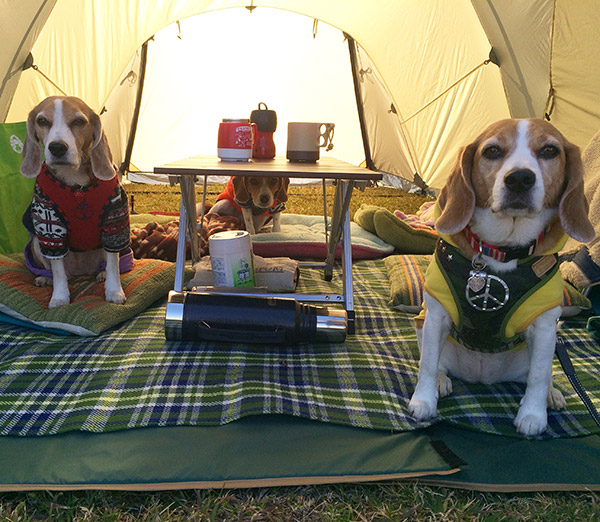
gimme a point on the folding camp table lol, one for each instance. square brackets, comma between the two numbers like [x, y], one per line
[346, 176]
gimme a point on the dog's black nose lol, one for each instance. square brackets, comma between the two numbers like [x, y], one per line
[520, 180]
[264, 199]
[58, 148]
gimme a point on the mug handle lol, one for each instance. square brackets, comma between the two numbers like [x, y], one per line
[326, 135]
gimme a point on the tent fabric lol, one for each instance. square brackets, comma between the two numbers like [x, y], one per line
[430, 74]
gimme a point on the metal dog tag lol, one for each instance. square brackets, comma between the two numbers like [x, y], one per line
[476, 280]
[477, 276]
[495, 290]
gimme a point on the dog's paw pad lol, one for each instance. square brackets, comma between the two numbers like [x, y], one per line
[116, 297]
[422, 410]
[444, 385]
[58, 301]
[556, 401]
[42, 281]
[530, 424]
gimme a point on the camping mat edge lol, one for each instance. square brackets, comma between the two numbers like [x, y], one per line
[149, 444]
[273, 450]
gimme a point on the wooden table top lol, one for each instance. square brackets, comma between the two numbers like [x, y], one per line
[325, 168]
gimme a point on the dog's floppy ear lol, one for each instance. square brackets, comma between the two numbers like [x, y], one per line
[32, 152]
[573, 206]
[240, 190]
[457, 198]
[282, 191]
[100, 156]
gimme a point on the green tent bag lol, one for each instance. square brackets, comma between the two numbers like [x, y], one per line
[15, 189]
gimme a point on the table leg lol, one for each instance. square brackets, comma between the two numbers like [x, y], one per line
[335, 231]
[347, 273]
[325, 213]
[180, 259]
[341, 205]
[340, 230]
[187, 222]
[201, 223]
[188, 197]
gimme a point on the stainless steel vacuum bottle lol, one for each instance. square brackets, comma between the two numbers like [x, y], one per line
[196, 316]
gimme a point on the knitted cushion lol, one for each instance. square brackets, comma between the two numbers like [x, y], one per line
[88, 313]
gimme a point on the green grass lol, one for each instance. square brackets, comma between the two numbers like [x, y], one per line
[392, 502]
[302, 199]
[397, 501]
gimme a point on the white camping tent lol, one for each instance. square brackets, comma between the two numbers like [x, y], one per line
[425, 75]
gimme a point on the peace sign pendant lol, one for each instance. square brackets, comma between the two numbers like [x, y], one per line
[485, 292]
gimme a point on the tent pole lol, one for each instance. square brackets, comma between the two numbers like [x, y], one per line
[359, 105]
[136, 111]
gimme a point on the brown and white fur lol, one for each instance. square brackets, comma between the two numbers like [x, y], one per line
[517, 178]
[76, 149]
[263, 192]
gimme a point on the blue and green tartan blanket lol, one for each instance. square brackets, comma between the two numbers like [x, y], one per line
[131, 377]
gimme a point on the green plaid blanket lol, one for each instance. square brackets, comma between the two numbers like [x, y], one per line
[131, 377]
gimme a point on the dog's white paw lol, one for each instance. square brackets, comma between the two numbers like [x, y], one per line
[117, 297]
[531, 423]
[422, 409]
[59, 301]
[42, 281]
[556, 401]
[444, 385]
[101, 276]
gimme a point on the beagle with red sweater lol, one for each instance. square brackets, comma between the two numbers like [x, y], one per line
[79, 214]
[493, 290]
[254, 199]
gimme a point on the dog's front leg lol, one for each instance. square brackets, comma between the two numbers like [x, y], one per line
[532, 417]
[60, 284]
[113, 290]
[276, 220]
[423, 404]
[248, 220]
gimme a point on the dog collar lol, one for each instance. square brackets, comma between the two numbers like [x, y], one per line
[277, 206]
[501, 253]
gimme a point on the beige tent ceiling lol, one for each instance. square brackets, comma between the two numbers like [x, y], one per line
[425, 81]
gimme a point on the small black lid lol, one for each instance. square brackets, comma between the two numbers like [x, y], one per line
[266, 120]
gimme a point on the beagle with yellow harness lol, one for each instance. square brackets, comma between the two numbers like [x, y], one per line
[493, 291]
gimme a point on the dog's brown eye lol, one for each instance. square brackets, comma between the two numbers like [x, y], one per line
[492, 152]
[253, 181]
[42, 122]
[273, 181]
[549, 152]
[78, 122]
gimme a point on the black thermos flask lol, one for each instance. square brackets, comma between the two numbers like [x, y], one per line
[197, 316]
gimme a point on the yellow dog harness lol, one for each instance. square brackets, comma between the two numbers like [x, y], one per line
[535, 287]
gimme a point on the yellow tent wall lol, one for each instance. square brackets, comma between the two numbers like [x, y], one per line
[424, 76]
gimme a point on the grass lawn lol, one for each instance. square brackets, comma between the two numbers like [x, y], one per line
[397, 501]
[301, 199]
